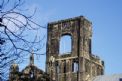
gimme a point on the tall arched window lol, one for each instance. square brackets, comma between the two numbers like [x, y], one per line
[65, 45]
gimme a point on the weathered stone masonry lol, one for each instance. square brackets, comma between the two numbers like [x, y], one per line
[61, 67]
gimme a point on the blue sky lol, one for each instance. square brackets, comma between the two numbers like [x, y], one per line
[106, 18]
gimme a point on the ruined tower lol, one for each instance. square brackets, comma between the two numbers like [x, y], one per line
[79, 64]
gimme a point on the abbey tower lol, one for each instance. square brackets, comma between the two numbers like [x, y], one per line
[79, 64]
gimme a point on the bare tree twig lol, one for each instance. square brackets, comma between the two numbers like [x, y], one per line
[17, 42]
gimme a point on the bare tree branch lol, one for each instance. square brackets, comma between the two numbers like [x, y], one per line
[17, 36]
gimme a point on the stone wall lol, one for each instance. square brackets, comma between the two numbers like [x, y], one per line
[78, 65]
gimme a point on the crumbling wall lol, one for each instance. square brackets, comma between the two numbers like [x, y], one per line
[79, 64]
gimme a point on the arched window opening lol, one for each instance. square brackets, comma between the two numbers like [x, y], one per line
[65, 45]
[74, 66]
[57, 67]
[64, 66]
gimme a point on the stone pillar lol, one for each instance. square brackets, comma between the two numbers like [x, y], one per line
[81, 73]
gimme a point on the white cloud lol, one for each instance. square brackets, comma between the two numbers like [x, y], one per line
[14, 21]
